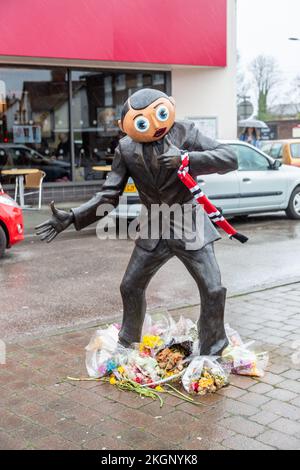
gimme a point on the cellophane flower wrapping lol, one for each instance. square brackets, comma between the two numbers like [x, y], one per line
[240, 359]
[139, 368]
[158, 324]
[179, 332]
[204, 375]
[101, 350]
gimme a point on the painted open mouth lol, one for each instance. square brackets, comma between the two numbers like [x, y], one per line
[160, 132]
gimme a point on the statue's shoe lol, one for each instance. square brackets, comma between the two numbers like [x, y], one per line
[216, 349]
[124, 343]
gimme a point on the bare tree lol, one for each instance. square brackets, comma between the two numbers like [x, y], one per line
[266, 77]
[294, 95]
[242, 82]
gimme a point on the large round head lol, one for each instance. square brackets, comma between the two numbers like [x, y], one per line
[147, 115]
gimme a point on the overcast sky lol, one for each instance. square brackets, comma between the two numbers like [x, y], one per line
[264, 26]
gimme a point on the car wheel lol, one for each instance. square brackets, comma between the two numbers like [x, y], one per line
[3, 242]
[293, 209]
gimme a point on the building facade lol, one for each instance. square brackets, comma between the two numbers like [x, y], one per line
[67, 67]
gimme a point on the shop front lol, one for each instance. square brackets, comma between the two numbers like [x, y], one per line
[63, 79]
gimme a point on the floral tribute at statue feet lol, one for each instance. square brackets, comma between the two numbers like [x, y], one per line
[168, 354]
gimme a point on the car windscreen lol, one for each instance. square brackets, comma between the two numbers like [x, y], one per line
[295, 150]
[276, 151]
[266, 148]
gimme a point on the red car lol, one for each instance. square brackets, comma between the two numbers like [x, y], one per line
[11, 222]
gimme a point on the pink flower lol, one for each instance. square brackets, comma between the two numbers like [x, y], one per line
[102, 370]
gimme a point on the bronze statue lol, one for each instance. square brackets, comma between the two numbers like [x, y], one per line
[151, 154]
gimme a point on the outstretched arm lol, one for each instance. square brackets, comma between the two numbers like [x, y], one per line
[209, 156]
[86, 214]
[112, 189]
[205, 155]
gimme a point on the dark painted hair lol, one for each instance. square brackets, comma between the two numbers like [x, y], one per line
[141, 99]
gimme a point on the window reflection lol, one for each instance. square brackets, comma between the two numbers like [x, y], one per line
[34, 124]
[97, 102]
[34, 118]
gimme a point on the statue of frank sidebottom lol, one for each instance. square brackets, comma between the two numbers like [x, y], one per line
[152, 153]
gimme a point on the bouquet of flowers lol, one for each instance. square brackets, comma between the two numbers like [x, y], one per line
[240, 359]
[204, 375]
[101, 350]
[139, 369]
[171, 359]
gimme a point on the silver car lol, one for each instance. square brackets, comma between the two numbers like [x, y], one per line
[261, 184]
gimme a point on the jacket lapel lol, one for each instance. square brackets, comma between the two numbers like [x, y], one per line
[141, 163]
[162, 174]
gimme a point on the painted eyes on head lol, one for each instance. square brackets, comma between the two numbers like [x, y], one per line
[141, 124]
[162, 113]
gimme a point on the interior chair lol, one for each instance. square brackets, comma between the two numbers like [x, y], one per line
[35, 181]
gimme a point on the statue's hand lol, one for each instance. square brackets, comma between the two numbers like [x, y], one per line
[172, 157]
[59, 221]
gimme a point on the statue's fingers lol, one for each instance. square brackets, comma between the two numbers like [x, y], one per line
[47, 234]
[44, 224]
[43, 229]
[52, 236]
[162, 157]
[171, 152]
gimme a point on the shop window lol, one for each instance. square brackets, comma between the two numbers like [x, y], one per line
[35, 131]
[34, 124]
[97, 100]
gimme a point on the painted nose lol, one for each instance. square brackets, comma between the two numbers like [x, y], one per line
[155, 122]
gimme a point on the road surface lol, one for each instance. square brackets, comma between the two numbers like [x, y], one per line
[75, 280]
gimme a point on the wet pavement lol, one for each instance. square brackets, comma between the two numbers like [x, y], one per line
[39, 409]
[75, 280]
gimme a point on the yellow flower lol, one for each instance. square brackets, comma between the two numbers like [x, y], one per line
[169, 373]
[204, 383]
[112, 380]
[151, 341]
[158, 388]
[121, 369]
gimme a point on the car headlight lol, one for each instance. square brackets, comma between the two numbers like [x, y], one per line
[8, 201]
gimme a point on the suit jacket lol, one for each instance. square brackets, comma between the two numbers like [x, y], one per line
[163, 186]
